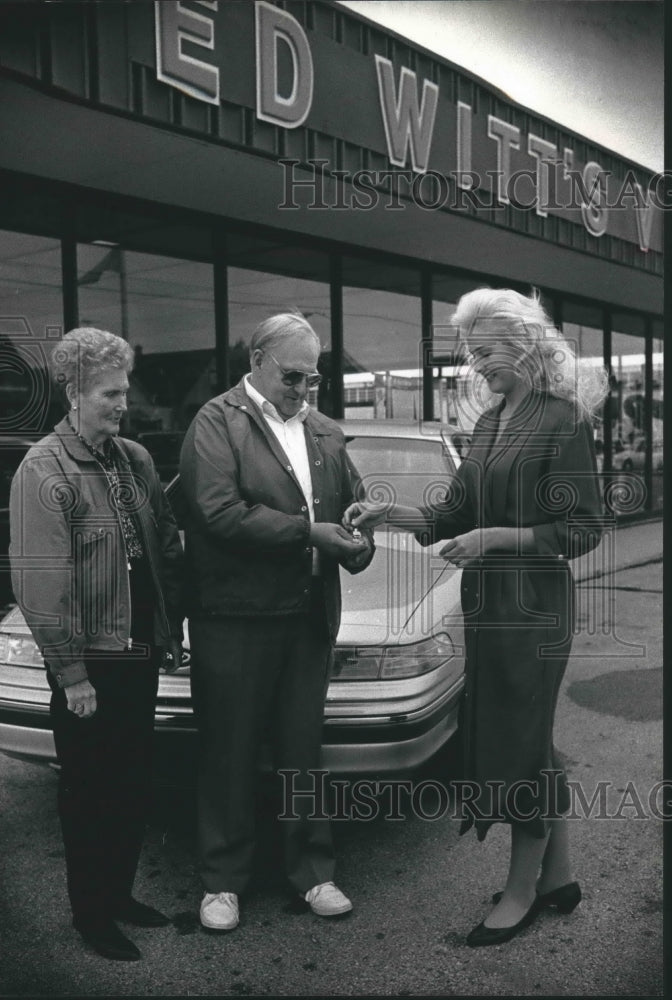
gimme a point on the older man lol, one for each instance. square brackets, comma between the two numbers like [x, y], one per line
[267, 480]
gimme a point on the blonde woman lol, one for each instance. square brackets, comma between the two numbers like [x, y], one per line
[525, 502]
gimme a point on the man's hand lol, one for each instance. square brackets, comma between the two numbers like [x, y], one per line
[172, 657]
[81, 698]
[359, 559]
[335, 541]
[362, 513]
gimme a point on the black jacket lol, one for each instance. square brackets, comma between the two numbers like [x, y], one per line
[247, 526]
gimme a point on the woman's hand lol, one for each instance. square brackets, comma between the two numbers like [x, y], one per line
[472, 545]
[81, 698]
[362, 513]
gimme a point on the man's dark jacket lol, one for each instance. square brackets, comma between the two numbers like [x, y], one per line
[247, 525]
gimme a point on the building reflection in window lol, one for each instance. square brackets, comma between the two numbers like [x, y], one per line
[657, 417]
[31, 321]
[582, 327]
[382, 342]
[629, 432]
[256, 295]
[452, 380]
[266, 277]
[165, 309]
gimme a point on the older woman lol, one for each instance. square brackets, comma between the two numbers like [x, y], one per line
[524, 502]
[96, 561]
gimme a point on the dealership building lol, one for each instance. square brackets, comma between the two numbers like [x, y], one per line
[177, 172]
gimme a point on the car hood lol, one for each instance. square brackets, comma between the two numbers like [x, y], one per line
[407, 593]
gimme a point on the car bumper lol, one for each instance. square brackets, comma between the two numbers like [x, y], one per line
[27, 743]
[389, 744]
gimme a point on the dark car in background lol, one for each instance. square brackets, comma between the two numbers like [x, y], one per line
[164, 447]
[399, 659]
[632, 457]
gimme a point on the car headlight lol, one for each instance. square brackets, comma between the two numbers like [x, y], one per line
[366, 663]
[21, 651]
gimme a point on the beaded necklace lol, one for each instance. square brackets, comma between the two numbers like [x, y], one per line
[107, 463]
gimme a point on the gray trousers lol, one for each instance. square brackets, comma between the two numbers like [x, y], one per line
[249, 677]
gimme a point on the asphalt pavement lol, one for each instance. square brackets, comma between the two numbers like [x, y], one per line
[417, 886]
[637, 544]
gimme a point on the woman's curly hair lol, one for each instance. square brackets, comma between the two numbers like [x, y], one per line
[543, 356]
[84, 353]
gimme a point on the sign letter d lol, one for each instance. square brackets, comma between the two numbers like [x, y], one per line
[274, 26]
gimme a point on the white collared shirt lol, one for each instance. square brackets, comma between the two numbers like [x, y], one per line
[292, 440]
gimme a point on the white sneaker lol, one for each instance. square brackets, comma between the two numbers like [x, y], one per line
[219, 911]
[327, 900]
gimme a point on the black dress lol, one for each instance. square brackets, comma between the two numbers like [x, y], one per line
[519, 610]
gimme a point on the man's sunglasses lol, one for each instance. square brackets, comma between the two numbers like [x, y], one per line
[296, 377]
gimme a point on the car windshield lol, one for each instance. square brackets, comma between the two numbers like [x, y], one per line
[401, 470]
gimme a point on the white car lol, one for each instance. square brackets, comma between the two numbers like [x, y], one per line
[399, 659]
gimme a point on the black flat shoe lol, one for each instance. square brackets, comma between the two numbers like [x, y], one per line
[105, 937]
[566, 898]
[141, 915]
[482, 935]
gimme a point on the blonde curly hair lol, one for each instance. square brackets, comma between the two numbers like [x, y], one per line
[543, 355]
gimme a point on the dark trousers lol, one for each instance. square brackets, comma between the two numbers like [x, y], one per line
[252, 676]
[105, 777]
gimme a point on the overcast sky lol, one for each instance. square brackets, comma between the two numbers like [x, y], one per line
[595, 66]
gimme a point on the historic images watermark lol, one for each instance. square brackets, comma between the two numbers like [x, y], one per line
[398, 799]
[365, 190]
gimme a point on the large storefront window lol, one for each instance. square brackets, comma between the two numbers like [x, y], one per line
[627, 408]
[164, 308]
[453, 402]
[265, 278]
[31, 321]
[657, 417]
[256, 295]
[382, 341]
[583, 328]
